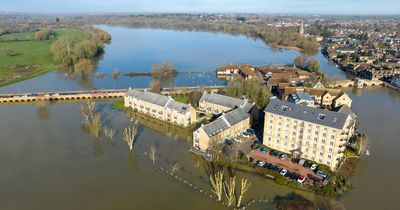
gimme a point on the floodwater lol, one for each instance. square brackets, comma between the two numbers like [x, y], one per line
[47, 161]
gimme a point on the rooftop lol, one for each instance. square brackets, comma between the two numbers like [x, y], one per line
[158, 99]
[225, 121]
[317, 116]
[226, 101]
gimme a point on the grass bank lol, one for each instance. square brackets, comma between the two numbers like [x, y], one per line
[23, 57]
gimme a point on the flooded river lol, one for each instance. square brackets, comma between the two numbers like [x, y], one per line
[47, 161]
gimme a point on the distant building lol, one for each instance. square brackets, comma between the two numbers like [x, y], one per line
[302, 99]
[227, 126]
[161, 107]
[395, 81]
[324, 97]
[301, 30]
[247, 71]
[315, 134]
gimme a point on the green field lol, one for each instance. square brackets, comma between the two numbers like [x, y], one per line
[29, 57]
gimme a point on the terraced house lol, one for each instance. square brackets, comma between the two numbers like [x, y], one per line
[161, 107]
[212, 103]
[315, 134]
[225, 126]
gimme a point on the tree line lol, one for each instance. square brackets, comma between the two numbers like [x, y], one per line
[76, 53]
[276, 37]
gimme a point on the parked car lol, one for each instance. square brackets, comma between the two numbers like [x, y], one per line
[313, 167]
[263, 150]
[238, 140]
[301, 179]
[227, 142]
[294, 176]
[251, 131]
[283, 172]
[278, 169]
[258, 142]
[274, 153]
[261, 163]
[283, 156]
[321, 174]
[271, 167]
[301, 162]
[244, 135]
[288, 174]
[307, 164]
[266, 165]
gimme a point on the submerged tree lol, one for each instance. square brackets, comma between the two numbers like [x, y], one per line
[129, 136]
[115, 73]
[174, 168]
[217, 184]
[91, 119]
[109, 132]
[153, 153]
[95, 125]
[244, 187]
[229, 189]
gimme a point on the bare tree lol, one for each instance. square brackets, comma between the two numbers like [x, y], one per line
[109, 132]
[217, 184]
[174, 168]
[91, 119]
[129, 136]
[153, 153]
[229, 189]
[155, 86]
[244, 187]
[95, 125]
[115, 73]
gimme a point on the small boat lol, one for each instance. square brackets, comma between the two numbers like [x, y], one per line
[367, 153]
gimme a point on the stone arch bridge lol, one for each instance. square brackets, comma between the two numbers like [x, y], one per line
[359, 83]
[89, 94]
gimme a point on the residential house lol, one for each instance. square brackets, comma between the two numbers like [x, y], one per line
[161, 107]
[213, 103]
[226, 126]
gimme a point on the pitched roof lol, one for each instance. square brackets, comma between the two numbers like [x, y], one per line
[226, 101]
[346, 110]
[313, 115]
[225, 121]
[158, 99]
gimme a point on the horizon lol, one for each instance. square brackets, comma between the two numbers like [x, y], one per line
[271, 7]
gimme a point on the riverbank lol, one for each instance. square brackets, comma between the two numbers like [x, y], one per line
[24, 57]
[27, 55]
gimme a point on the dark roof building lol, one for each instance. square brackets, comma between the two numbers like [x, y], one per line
[304, 113]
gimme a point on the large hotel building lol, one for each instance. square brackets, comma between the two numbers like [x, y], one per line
[315, 134]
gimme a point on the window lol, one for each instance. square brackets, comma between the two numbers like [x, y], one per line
[331, 143]
[332, 137]
[329, 156]
[324, 134]
[292, 145]
[328, 163]
[321, 154]
[330, 149]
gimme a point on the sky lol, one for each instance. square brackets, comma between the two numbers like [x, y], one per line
[330, 7]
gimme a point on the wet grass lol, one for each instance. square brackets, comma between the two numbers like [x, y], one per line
[29, 57]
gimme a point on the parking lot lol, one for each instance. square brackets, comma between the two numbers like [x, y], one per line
[244, 145]
[286, 164]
